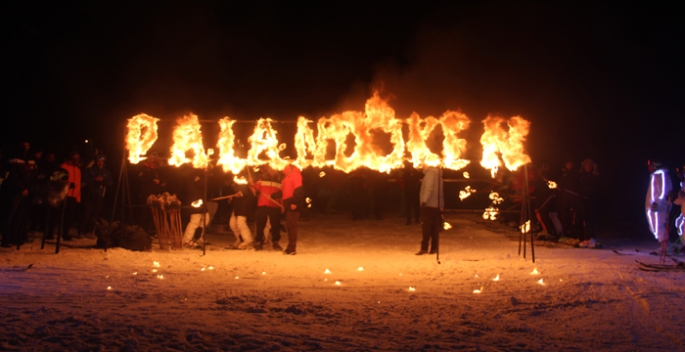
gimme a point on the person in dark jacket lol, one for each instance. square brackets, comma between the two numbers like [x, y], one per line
[411, 185]
[242, 201]
[15, 196]
[97, 179]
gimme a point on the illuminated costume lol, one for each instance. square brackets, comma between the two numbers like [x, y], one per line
[657, 206]
[680, 200]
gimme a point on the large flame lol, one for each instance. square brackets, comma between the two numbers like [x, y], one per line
[372, 138]
[509, 144]
[264, 140]
[142, 134]
[304, 143]
[187, 136]
[227, 157]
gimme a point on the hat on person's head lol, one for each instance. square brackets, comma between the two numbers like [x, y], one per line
[654, 163]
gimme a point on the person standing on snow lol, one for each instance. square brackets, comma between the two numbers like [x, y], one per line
[199, 215]
[269, 206]
[588, 186]
[242, 201]
[73, 167]
[97, 178]
[680, 200]
[432, 204]
[657, 205]
[293, 202]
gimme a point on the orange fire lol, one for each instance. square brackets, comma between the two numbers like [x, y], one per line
[187, 136]
[226, 142]
[466, 192]
[372, 138]
[264, 140]
[305, 144]
[509, 144]
[142, 134]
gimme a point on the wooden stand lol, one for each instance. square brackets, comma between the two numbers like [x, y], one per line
[168, 226]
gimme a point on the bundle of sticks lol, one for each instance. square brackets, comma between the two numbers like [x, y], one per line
[166, 213]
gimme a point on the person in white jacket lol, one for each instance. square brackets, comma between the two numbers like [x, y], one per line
[657, 205]
[432, 204]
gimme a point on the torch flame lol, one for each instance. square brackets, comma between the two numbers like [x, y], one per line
[142, 134]
[239, 180]
[551, 184]
[197, 203]
[322, 174]
[466, 192]
[525, 228]
[466, 174]
[446, 226]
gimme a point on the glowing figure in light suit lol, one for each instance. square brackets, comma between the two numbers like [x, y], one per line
[657, 206]
[680, 221]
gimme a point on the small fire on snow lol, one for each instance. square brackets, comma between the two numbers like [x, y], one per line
[338, 283]
[327, 271]
[541, 282]
[466, 174]
[412, 289]
[446, 225]
[477, 291]
[535, 271]
[496, 278]
[155, 264]
[360, 268]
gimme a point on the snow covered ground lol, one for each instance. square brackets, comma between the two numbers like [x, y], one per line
[86, 299]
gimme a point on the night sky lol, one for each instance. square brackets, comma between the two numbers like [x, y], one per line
[597, 79]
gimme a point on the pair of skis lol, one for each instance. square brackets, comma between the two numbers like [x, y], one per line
[677, 266]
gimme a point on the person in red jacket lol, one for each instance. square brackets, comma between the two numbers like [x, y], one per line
[74, 193]
[269, 206]
[293, 202]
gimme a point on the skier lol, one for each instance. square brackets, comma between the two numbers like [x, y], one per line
[680, 200]
[657, 205]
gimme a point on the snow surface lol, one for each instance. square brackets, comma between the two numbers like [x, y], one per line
[590, 300]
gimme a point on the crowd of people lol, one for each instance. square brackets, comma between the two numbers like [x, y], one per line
[567, 209]
[566, 212]
[30, 181]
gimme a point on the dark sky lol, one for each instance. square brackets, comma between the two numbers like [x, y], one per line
[597, 79]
